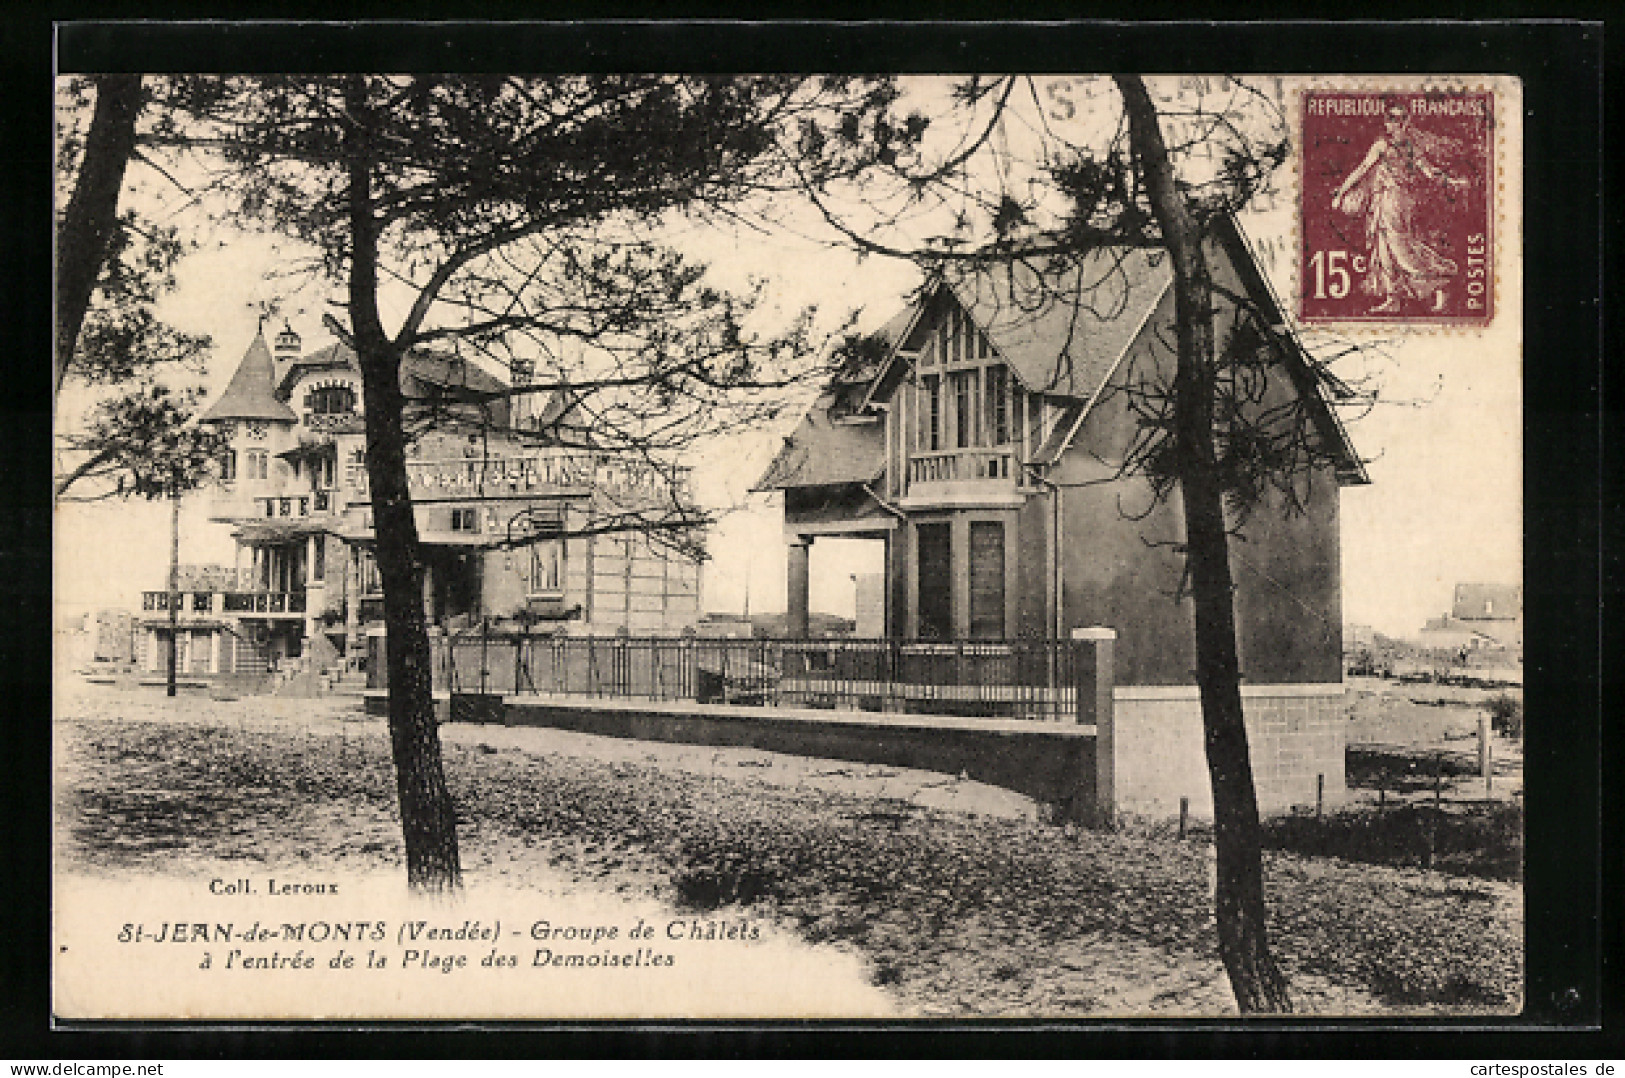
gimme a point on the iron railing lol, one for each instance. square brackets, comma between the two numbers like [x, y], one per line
[229, 602]
[296, 505]
[264, 602]
[1025, 679]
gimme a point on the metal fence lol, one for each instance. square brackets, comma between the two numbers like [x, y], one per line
[1027, 679]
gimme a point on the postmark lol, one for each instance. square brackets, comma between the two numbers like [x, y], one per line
[1397, 207]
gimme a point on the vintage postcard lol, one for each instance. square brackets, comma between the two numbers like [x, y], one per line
[651, 547]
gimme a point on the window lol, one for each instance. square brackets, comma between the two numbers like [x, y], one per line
[998, 405]
[371, 582]
[465, 520]
[931, 413]
[257, 464]
[986, 579]
[318, 559]
[547, 567]
[964, 414]
[330, 400]
[935, 582]
[228, 465]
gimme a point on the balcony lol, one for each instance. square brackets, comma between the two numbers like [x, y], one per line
[316, 503]
[263, 602]
[334, 423]
[952, 475]
[233, 504]
[189, 602]
[227, 602]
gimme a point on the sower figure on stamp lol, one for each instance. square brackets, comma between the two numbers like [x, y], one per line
[1387, 187]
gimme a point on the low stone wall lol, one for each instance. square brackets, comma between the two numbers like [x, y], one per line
[1142, 754]
[1295, 736]
[1051, 762]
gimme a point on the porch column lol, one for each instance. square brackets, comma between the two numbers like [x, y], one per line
[352, 604]
[798, 587]
[428, 594]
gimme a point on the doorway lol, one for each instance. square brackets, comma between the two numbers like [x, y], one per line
[936, 581]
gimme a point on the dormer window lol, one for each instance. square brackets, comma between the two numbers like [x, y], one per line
[330, 400]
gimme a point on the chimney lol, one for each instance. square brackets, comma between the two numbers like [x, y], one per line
[287, 347]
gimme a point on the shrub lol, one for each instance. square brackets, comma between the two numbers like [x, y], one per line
[1506, 714]
[1480, 840]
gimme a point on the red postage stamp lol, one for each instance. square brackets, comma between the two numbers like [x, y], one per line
[1397, 207]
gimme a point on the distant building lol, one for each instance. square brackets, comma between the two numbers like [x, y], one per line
[500, 512]
[1481, 616]
[1358, 635]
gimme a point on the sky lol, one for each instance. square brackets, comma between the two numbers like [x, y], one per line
[1444, 444]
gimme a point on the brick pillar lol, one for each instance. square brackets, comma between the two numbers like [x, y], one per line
[799, 587]
[1095, 679]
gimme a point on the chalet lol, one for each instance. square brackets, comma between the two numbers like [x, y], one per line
[983, 445]
[504, 519]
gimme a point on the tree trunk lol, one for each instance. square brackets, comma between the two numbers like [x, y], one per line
[92, 211]
[1256, 980]
[428, 818]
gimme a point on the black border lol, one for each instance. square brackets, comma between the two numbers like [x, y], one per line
[1571, 492]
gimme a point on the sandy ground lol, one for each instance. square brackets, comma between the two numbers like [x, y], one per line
[892, 891]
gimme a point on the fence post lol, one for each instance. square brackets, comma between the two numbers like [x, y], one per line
[1484, 749]
[1092, 671]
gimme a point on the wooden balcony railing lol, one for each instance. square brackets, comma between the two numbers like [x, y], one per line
[963, 465]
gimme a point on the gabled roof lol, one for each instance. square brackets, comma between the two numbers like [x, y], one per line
[826, 452]
[423, 374]
[1477, 601]
[333, 357]
[1312, 379]
[250, 394]
[1061, 335]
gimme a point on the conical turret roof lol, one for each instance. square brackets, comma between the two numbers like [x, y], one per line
[250, 394]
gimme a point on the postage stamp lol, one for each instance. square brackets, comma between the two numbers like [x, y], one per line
[1397, 207]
